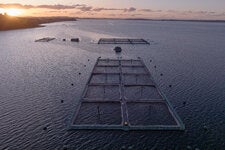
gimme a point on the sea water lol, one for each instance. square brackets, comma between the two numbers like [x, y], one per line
[41, 82]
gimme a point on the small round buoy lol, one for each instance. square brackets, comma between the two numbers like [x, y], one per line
[88, 59]
[125, 123]
[150, 60]
[84, 65]
[154, 66]
[79, 73]
[71, 84]
[184, 103]
[117, 49]
[205, 128]
[123, 147]
[161, 74]
[170, 85]
[65, 148]
[45, 128]
[64, 40]
[62, 101]
[189, 147]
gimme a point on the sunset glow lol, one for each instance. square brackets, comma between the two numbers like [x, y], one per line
[149, 9]
[12, 11]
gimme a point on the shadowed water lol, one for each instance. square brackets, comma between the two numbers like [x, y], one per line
[36, 76]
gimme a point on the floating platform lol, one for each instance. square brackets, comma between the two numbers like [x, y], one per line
[75, 40]
[122, 41]
[47, 39]
[121, 95]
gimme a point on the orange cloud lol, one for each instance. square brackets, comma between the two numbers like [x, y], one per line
[82, 10]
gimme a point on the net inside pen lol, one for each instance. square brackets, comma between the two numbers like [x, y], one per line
[120, 94]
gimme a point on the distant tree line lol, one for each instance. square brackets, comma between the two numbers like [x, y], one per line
[8, 22]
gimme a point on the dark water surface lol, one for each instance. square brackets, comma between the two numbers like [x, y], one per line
[35, 77]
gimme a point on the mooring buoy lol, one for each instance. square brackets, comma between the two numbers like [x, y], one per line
[117, 49]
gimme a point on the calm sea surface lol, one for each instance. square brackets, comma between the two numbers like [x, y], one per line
[36, 76]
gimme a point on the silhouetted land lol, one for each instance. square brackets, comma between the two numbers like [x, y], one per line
[9, 23]
[144, 19]
[184, 20]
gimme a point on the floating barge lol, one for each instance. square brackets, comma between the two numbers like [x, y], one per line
[122, 41]
[121, 95]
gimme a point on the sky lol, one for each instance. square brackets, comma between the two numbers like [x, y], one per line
[149, 9]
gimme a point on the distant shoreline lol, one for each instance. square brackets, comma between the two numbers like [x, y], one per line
[13, 23]
[183, 20]
[143, 19]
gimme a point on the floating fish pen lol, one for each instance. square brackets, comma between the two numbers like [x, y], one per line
[122, 41]
[47, 39]
[121, 95]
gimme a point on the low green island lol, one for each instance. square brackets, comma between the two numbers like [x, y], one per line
[9, 23]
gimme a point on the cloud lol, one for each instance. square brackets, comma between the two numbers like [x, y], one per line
[134, 15]
[206, 13]
[218, 14]
[106, 9]
[191, 12]
[85, 8]
[16, 5]
[56, 11]
[201, 12]
[131, 9]
[150, 10]
[57, 7]
[146, 10]
[171, 11]
[81, 7]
